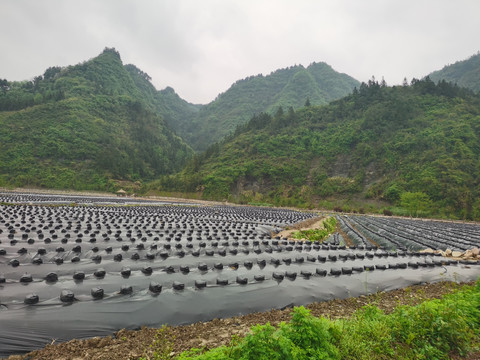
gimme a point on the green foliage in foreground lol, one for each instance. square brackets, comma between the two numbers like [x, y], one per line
[318, 234]
[434, 329]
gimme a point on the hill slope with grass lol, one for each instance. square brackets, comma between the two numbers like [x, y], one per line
[84, 126]
[403, 146]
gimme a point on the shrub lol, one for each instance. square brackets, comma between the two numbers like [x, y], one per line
[313, 338]
[387, 212]
[305, 337]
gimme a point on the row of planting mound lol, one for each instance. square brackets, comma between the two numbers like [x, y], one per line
[92, 269]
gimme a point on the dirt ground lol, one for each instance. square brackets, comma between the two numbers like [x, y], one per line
[132, 344]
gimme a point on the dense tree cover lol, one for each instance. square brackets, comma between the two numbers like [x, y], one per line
[283, 88]
[378, 143]
[464, 73]
[177, 112]
[82, 127]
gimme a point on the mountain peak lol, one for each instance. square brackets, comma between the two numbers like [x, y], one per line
[168, 90]
[111, 51]
[287, 87]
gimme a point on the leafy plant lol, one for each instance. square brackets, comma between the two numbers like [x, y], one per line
[162, 345]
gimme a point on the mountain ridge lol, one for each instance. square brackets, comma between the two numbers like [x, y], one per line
[266, 93]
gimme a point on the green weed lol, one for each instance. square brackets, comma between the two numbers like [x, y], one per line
[317, 234]
[162, 346]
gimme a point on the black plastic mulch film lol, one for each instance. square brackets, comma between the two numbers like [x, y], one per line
[97, 267]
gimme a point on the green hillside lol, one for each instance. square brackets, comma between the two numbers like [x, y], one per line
[286, 87]
[378, 144]
[178, 113]
[464, 73]
[83, 126]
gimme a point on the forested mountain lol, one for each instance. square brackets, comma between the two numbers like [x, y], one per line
[290, 87]
[464, 73]
[82, 126]
[376, 144]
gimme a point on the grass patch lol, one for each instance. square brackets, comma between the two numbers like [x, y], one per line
[320, 234]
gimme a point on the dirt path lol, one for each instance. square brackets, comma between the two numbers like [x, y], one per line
[126, 344]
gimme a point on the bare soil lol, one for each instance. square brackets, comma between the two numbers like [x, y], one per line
[133, 344]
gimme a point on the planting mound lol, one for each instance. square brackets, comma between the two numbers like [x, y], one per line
[56, 199]
[81, 271]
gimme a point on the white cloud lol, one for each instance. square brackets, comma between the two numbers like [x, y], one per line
[201, 47]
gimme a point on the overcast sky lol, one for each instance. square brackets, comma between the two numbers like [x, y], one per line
[201, 47]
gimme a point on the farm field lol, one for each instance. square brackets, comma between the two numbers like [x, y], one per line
[103, 264]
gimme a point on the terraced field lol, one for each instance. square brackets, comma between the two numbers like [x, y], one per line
[108, 263]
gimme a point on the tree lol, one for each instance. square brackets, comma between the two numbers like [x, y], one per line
[36, 81]
[392, 193]
[415, 202]
[51, 72]
[4, 85]
[383, 83]
[279, 112]
[307, 102]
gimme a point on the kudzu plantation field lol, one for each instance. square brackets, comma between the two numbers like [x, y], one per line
[84, 266]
